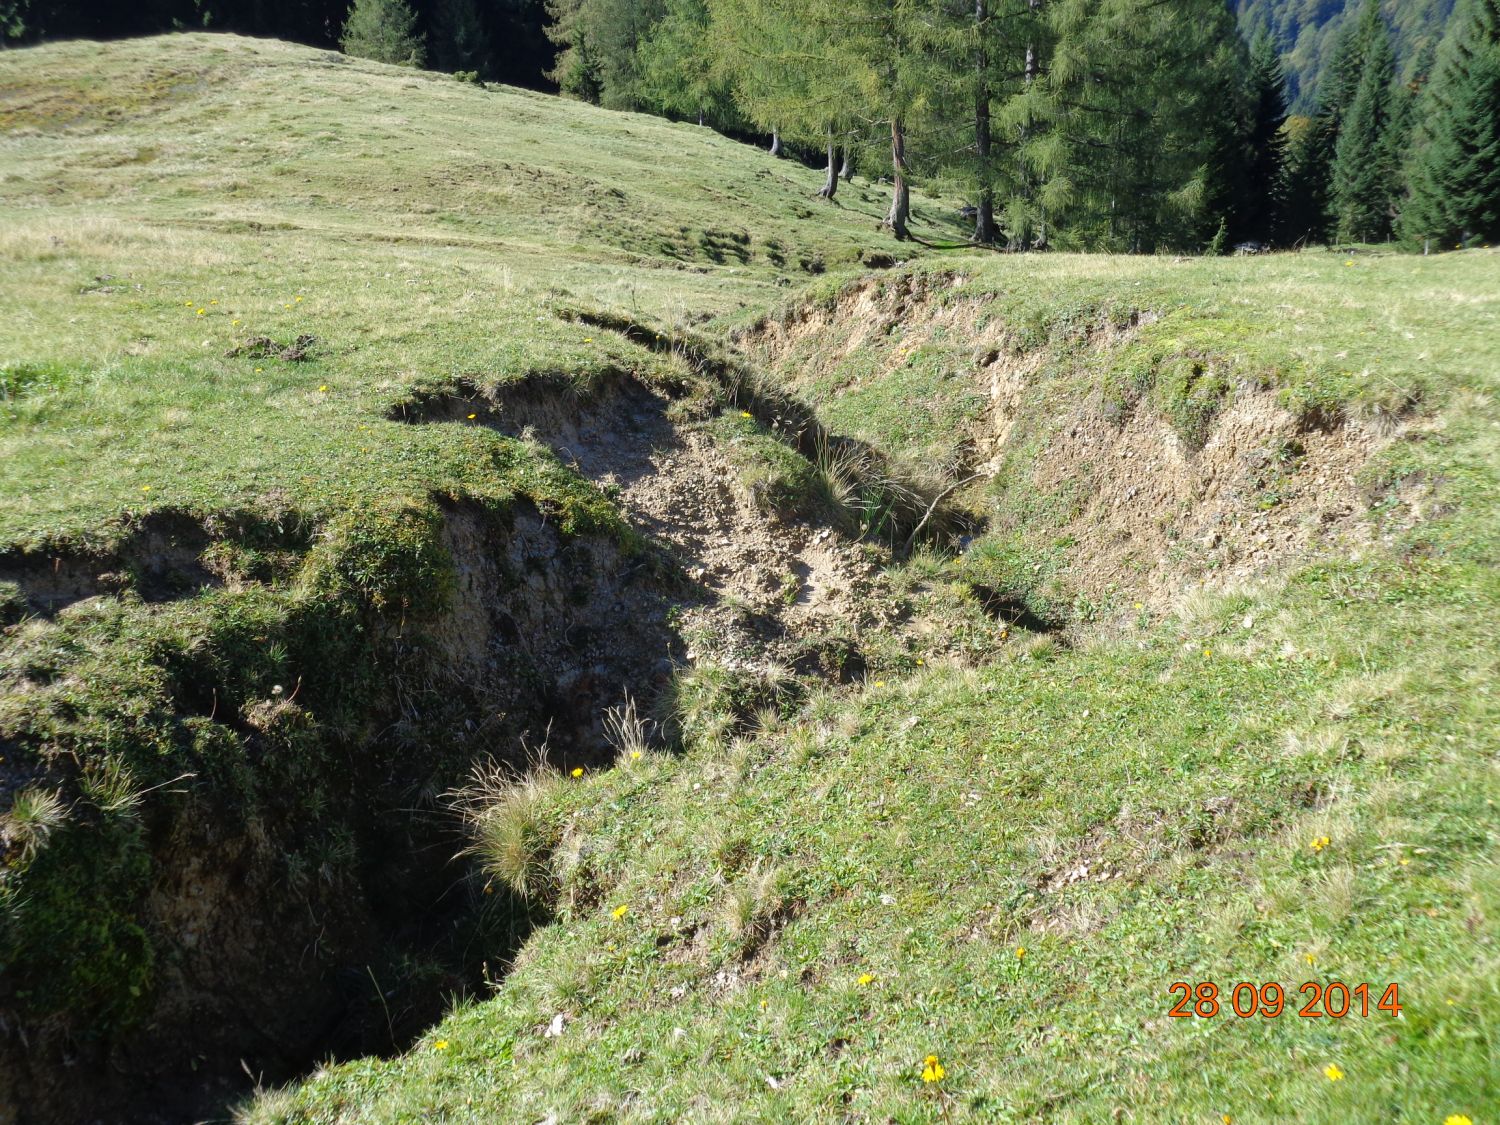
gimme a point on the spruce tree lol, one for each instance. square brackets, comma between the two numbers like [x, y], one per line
[1265, 172]
[1455, 167]
[1304, 190]
[1364, 167]
[383, 30]
[459, 40]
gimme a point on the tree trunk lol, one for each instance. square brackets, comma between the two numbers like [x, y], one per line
[700, 116]
[847, 171]
[1020, 238]
[984, 213]
[900, 192]
[775, 142]
[831, 181]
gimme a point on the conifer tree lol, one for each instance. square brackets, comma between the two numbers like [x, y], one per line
[1122, 151]
[974, 52]
[383, 30]
[1265, 171]
[1455, 166]
[576, 69]
[1364, 167]
[459, 40]
[12, 19]
[1304, 211]
[600, 43]
[681, 73]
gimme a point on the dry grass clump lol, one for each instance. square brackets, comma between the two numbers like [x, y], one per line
[509, 822]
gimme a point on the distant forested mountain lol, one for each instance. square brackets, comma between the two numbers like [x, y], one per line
[1305, 31]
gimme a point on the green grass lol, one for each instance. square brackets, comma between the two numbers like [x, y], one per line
[920, 829]
[292, 192]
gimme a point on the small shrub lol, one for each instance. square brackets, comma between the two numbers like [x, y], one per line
[391, 555]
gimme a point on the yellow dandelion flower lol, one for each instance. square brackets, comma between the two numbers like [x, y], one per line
[577, 771]
[588, 339]
[746, 414]
[189, 304]
[619, 912]
[1140, 605]
[1226, 1119]
[324, 387]
[1319, 843]
[1403, 861]
[1458, 1119]
[1020, 951]
[297, 298]
[286, 306]
[932, 1069]
[258, 370]
[920, 662]
[1309, 958]
[472, 417]
[202, 312]
[214, 301]
[145, 488]
[1332, 1072]
[635, 755]
[1208, 652]
[866, 978]
[441, 1045]
[234, 322]
[880, 683]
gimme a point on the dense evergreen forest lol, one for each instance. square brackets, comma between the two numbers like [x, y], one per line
[1305, 33]
[1120, 125]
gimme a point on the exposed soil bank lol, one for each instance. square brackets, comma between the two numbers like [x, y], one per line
[1145, 503]
[270, 933]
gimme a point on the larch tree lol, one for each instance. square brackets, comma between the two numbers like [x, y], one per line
[786, 68]
[1121, 146]
[681, 72]
[975, 53]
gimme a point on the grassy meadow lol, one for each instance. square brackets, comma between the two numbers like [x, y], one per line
[1005, 862]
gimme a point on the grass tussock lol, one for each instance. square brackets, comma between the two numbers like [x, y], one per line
[510, 819]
